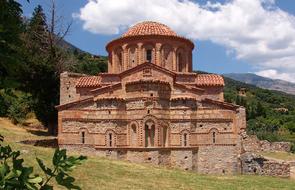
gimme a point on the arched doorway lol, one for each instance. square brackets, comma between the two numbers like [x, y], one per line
[149, 129]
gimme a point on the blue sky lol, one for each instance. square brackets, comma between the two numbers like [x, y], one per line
[226, 37]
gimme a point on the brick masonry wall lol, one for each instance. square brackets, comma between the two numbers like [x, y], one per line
[68, 91]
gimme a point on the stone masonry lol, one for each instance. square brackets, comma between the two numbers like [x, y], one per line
[151, 108]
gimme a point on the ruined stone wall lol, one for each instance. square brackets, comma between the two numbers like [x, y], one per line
[253, 144]
[256, 164]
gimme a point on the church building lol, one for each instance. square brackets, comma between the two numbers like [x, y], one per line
[150, 107]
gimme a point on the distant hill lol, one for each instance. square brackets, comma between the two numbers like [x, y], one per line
[263, 82]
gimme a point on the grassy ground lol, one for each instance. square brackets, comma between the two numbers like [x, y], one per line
[98, 173]
[280, 155]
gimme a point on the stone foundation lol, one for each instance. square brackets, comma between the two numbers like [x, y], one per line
[206, 159]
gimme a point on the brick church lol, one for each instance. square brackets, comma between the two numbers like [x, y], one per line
[151, 108]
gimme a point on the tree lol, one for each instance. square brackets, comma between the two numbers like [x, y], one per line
[11, 28]
[44, 61]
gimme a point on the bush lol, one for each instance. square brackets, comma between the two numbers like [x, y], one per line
[14, 175]
[19, 107]
[15, 104]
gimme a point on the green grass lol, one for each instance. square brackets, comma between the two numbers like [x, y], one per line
[101, 173]
[280, 155]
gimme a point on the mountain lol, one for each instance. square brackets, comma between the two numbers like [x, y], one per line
[68, 46]
[263, 82]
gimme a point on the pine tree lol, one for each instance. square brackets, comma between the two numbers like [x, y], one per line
[11, 28]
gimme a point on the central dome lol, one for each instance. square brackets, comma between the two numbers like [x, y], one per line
[149, 28]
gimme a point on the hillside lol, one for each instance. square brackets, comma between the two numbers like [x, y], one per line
[101, 173]
[263, 82]
[270, 114]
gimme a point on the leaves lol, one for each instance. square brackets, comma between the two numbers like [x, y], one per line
[14, 175]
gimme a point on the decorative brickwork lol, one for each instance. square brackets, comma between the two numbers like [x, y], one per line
[150, 107]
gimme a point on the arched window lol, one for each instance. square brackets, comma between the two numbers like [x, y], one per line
[181, 60]
[185, 139]
[83, 137]
[110, 139]
[132, 57]
[149, 55]
[149, 134]
[213, 137]
[167, 57]
[119, 59]
[133, 135]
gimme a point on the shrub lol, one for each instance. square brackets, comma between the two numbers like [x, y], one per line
[14, 175]
[19, 108]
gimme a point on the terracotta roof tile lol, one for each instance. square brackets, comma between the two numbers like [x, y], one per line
[89, 81]
[209, 80]
[149, 28]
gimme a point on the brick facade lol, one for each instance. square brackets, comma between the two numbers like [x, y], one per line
[150, 107]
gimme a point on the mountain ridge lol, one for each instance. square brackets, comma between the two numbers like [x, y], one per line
[263, 82]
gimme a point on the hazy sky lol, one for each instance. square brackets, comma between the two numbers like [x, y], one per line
[255, 36]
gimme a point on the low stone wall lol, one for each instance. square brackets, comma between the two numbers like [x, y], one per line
[252, 144]
[256, 164]
[275, 146]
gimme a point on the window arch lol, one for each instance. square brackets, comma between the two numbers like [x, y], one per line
[213, 133]
[149, 129]
[133, 135]
[181, 60]
[185, 139]
[166, 56]
[119, 59]
[110, 139]
[132, 55]
[148, 53]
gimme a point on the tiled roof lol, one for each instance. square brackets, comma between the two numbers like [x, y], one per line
[209, 80]
[149, 28]
[90, 81]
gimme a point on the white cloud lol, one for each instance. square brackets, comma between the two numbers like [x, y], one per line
[274, 74]
[257, 31]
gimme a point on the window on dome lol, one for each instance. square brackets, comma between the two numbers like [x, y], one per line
[149, 55]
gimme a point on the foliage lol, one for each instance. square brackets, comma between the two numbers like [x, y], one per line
[88, 64]
[264, 117]
[15, 104]
[14, 175]
[11, 27]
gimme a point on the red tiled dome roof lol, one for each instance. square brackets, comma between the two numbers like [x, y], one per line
[149, 28]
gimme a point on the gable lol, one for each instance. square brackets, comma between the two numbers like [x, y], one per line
[147, 72]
